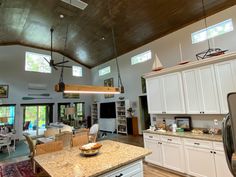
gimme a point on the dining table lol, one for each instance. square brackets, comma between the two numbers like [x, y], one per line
[112, 155]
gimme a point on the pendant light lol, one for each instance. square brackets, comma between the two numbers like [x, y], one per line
[76, 88]
[120, 83]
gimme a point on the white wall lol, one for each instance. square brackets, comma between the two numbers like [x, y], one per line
[167, 48]
[12, 73]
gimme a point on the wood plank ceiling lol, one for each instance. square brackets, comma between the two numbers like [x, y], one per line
[136, 22]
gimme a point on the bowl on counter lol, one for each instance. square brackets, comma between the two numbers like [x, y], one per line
[90, 149]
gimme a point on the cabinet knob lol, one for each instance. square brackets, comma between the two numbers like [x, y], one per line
[197, 143]
[214, 152]
[211, 151]
[169, 139]
[150, 136]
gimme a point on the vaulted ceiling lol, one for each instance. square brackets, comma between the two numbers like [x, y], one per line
[135, 22]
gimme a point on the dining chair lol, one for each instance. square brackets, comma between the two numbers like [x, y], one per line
[44, 149]
[31, 144]
[65, 137]
[93, 132]
[5, 141]
[51, 132]
[49, 147]
[81, 137]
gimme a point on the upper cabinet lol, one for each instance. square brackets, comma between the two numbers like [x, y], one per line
[226, 82]
[200, 87]
[165, 94]
[200, 91]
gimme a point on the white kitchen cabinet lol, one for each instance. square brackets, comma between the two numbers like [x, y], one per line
[222, 169]
[173, 157]
[131, 170]
[173, 94]
[155, 146]
[165, 94]
[226, 82]
[200, 91]
[199, 162]
[155, 95]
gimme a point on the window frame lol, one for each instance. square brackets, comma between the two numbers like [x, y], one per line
[205, 31]
[38, 54]
[139, 58]
[80, 69]
[102, 69]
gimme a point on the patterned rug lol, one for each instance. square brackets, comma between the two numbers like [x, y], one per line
[19, 169]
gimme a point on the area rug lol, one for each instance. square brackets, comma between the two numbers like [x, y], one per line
[19, 169]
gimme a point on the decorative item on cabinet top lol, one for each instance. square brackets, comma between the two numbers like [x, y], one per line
[157, 66]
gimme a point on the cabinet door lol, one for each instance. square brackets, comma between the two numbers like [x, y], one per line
[173, 156]
[221, 165]
[173, 93]
[199, 162]
[154, 95]
[208, 91]
[192, 97]
[225, 82]
[155, 147]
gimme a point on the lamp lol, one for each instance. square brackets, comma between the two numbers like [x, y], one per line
[90, 89]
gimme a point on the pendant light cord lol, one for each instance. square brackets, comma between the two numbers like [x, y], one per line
[120, 84]
[205, 22]
[65, 46]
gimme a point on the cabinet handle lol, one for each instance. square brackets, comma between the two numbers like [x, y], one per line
[214, 152]
[159, 143]
[119, 175]
[197, 143]
[211, 151]
[150, 136]
[169, 139]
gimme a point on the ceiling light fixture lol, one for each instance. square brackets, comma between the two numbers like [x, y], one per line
[120, 83]
[86, 89]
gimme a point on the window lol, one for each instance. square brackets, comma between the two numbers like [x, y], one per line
[79, 111]
[37, 62]
[104, 71]
[212, 31]
[7, 115]
[77, 71]
[142, 57]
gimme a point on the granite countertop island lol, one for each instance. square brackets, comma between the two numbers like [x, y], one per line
[69, 162]
[207, 137]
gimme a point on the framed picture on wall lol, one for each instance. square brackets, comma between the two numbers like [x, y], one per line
[184, 122]
[4, 91]
[109, 83]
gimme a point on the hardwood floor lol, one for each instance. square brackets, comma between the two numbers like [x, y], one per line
[152, 171]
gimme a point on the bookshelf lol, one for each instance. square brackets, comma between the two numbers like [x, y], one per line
[94, 113]
[121, 116]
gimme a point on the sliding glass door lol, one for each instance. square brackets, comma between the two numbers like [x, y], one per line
[36, 117]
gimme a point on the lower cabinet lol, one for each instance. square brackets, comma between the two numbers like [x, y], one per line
[131, 170]
[194, 157]
[222, 169]
[173, 156]
[199, 162]
[156, 156]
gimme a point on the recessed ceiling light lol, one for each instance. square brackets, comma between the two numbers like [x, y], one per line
[103, 38]
[61, 16]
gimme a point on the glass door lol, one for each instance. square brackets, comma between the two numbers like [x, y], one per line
[35, 119]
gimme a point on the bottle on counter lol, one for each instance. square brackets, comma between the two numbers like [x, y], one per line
[174, 127]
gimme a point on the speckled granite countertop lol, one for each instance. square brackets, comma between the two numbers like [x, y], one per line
[69, 163]
[189, 135]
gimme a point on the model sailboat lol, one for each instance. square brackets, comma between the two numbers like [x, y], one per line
[157, 66]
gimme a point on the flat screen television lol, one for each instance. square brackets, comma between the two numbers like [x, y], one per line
[108, 110]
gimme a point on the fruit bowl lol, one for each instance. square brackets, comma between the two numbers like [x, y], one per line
[90, 149]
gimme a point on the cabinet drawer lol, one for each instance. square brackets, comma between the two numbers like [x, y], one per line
[127, 171]
[151, 136]
[171, 139]
[198, 143]
[218, 146]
